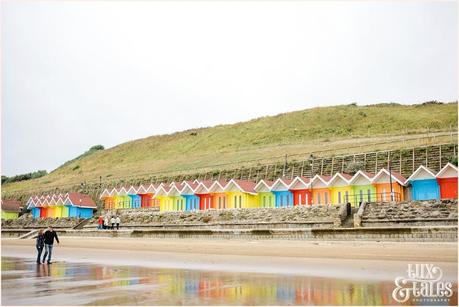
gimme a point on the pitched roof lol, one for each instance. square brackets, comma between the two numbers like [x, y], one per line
[305, 181]
[11, 205]
[81, 200]
[243, 185]
[263, 183]
[448, 167]
[421, 169]
[203, 187]
[344, 177]
[281, 182]
[366, 175]
[218, 186]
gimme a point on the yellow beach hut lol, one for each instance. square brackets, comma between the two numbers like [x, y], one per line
[241, 194]
[340, 188]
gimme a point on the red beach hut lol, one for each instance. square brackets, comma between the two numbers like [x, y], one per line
[447, 180]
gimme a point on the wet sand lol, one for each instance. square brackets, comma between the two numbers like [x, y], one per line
[359, 260]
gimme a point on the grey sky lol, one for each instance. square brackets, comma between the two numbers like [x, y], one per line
[76, 74]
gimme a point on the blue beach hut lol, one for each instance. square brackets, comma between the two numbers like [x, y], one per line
[136, 200]
[280, 189]
[191, 199]
[424, 185]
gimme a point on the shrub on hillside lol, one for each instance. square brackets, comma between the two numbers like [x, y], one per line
[354, 167]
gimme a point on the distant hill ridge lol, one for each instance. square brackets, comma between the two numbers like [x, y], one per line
[331, 128]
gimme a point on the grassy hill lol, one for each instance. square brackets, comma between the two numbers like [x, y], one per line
[338, 129]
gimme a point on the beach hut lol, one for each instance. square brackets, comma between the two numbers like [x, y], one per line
[424, 185]
[10, 209]
[60, 203]
[362, 188]
[58, 206]
[382, 182]
[135, 199]
[241, 194]
[80, 205]
[107, 197]
[165, 202]
[280, 189]
[202, 191]
[191, 200]
[32, 205]
[146, 195]
[266, 198]
[219, 197]
[340, 188]
[48, 202]
[300, 187]
[321, 194]
[178, 201]
[447, 180]
[122, 199]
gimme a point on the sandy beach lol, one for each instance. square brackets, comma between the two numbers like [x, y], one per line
[360, 260]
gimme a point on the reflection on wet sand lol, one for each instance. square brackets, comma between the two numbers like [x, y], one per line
[25, 283]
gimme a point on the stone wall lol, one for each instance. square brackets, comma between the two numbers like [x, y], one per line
[314, 216]
[413, 213]
[27, 222]
[396, 234]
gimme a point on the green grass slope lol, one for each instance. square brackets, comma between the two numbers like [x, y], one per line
[331, 128]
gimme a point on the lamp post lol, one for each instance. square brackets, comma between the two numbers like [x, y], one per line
[311, 159]
[390, 181]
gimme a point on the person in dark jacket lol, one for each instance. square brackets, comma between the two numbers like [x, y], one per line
[40, 243]
[50, 235]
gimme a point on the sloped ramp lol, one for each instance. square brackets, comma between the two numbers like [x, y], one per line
[29, 234]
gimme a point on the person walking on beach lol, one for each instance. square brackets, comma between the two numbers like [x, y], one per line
[100, 222]
[39, 244]
[49, 235]
[118, 221]
[113, 221]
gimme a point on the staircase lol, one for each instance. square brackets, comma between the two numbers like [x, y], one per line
[349, 221]
[81, 224]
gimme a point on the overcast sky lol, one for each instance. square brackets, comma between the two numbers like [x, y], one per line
[76, 74]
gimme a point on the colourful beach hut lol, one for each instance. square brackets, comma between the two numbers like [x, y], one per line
[188, 192]
[165, 202]
[60, 203]
[32, 205]
[321, 194]
[266, 198]
[107, 197]
[241, 194]
[447, 180]
[146, 195]
[135, 199]
[10, 209]
[80, 205]
[424, 185]
[122, 199]
[362, 188]
[381, 181]
[280, 189]
[219, 197]
[202, 191]
[300, 187]
[178, 201]
[340, 189]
